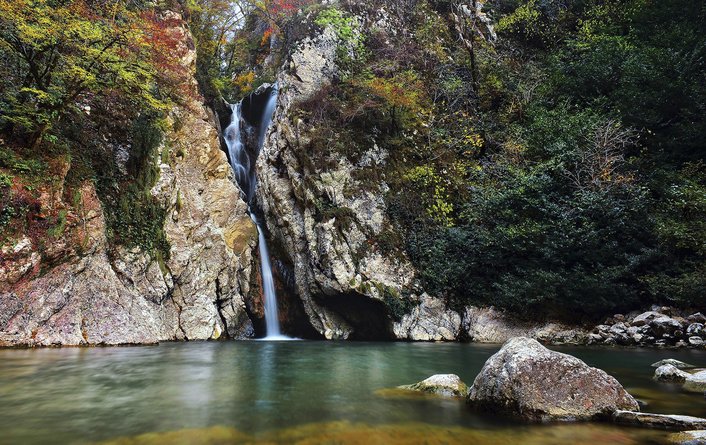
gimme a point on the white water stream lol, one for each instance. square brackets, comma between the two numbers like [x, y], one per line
[244, 169]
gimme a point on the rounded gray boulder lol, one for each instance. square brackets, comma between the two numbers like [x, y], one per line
[528, 381]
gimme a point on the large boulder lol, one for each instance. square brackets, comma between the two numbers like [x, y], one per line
[446, 385]
[526, 380]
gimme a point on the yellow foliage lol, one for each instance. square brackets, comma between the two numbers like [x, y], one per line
[434, 193]
[244, 82]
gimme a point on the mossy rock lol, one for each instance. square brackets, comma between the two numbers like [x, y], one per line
[445, 385]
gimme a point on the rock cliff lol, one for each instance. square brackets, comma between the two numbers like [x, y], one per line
[322, 219]
[81, 290]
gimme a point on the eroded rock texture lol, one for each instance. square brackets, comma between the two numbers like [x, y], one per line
[322, 219]
[82, 290]
[526, 380]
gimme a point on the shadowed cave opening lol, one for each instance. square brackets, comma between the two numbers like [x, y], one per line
[368, 317]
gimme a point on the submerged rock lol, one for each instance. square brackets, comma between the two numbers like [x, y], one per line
[659, 421]
[527, 380]
[689, 438]
[407, 433]
[446, 385]
[696, 382]
[670, 373]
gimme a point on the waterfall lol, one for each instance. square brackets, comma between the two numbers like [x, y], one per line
[244, 168]
[268, 284]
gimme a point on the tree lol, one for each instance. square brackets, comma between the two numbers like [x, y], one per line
[57, 53]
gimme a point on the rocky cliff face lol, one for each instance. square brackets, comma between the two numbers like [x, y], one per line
[81, 290]
[321, 218]
[326, 215]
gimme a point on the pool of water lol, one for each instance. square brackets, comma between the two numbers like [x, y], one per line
[288, 392]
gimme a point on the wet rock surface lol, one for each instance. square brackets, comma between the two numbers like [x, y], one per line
[670, 361]
[659, 421]
[530, 382]
[695, 382]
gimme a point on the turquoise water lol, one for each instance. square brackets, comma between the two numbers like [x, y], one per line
[267, 390]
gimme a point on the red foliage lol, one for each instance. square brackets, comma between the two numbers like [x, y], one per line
[282, 10]
[167, 46]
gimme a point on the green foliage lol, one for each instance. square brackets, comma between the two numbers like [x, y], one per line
[681, 231]
[134, 217]
[57, 54]
[433, 193]
[326, 211]
[11, 161]
[397, 306]
[60, 226]
[5, 180]
[536, 191]
[345, 27]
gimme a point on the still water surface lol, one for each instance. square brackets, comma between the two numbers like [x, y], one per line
[284, 392]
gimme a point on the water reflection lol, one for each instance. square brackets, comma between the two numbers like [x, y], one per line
[264, 388]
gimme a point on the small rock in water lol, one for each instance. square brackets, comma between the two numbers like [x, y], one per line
[676, 363]
[670, 373]
[696, 382]
[447, 385]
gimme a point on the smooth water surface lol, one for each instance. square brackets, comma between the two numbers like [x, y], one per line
[286, 392]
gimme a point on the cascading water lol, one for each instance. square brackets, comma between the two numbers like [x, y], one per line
[244, 169]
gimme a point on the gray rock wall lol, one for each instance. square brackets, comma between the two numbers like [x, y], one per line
[102, 294]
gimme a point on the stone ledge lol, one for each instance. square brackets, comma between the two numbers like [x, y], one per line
[659, 421]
